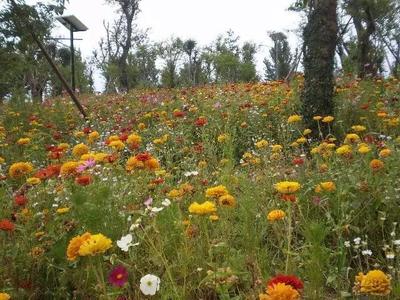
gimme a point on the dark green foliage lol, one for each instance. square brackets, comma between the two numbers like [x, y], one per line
[279, 63]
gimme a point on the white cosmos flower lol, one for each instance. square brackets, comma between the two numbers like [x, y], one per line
[126, 242]
[166, 202]
[156, 209]
[149, 284]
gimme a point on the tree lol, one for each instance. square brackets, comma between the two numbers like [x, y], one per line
[247, 71]
[188, 48]
[171, 52]
[320, 36]
[20, 55]
[124, 35]
[365, 14]
[82, 72]
[279, 64]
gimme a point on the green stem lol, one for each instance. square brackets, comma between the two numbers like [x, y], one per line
[289, 242]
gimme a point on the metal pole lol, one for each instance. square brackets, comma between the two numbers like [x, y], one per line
[59, 75]
[72, 61]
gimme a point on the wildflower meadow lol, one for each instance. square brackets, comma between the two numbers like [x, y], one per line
[208, 192]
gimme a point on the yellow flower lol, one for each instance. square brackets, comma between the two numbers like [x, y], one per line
[204, 208]
[261, 144]
[152, 164]
[63, 146]
[317, 118]
[276, 148]
[344, 150]
[133, 163]
[202, 164]
[94, 135]
[375, 282]
[33, 180]
[227, 200]
[351, 138]
[79, 134]
[75, 244]
[287, 187]
[217, 191]
[134, 139]
[20, 169]
[100, 157]
[327, 186]
[141, 126]
[294, 119]
[117, 145]
[23, 141]
[176, 193]
[358, 128]
[222, 138]
[80, 149]
[69, 168]
[2, 160]
[63, 210]
[281, 291]
[307, 131]
[385, 153]
[301, 140]
[275, 215]
[364, 148]
[5, 296]
[95, 244]
[393, 122]
[328, 119]
[214, 218]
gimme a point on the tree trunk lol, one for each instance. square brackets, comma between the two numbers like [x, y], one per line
[320, 36]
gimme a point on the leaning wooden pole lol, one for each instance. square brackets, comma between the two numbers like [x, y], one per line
[51, 62]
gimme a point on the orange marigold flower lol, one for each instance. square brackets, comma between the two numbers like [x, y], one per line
[281, 291]
[376, 164]
[20, 169]
[75, 244]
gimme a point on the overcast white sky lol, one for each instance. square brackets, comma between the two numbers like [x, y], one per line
[202, 20]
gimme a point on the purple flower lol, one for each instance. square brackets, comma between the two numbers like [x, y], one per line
[148, 201]
[90, 163]
[118, 276]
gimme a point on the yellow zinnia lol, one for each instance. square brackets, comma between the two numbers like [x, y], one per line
[287, 187]
[275, 215]
[95, 244]
[204, 208]
[20, 169]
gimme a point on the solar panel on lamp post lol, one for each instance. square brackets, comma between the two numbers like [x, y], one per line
[74, 25]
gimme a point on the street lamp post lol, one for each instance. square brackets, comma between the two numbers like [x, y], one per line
[74, 25]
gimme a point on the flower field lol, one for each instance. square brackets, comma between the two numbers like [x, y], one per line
[215, 192]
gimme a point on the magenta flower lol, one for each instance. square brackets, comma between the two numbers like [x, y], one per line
[90, 163]
[118, 276]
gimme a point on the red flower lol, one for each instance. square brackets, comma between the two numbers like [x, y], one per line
[143, 156]
[298, 161]
[48, 172]
[20, 200]
[83, 180]
[291, 280]
[201, 121]
[87, 130]
[6, 225]
[118, 276]
[288, 197]
[123, 137]
[178, 114]
[158, 180]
